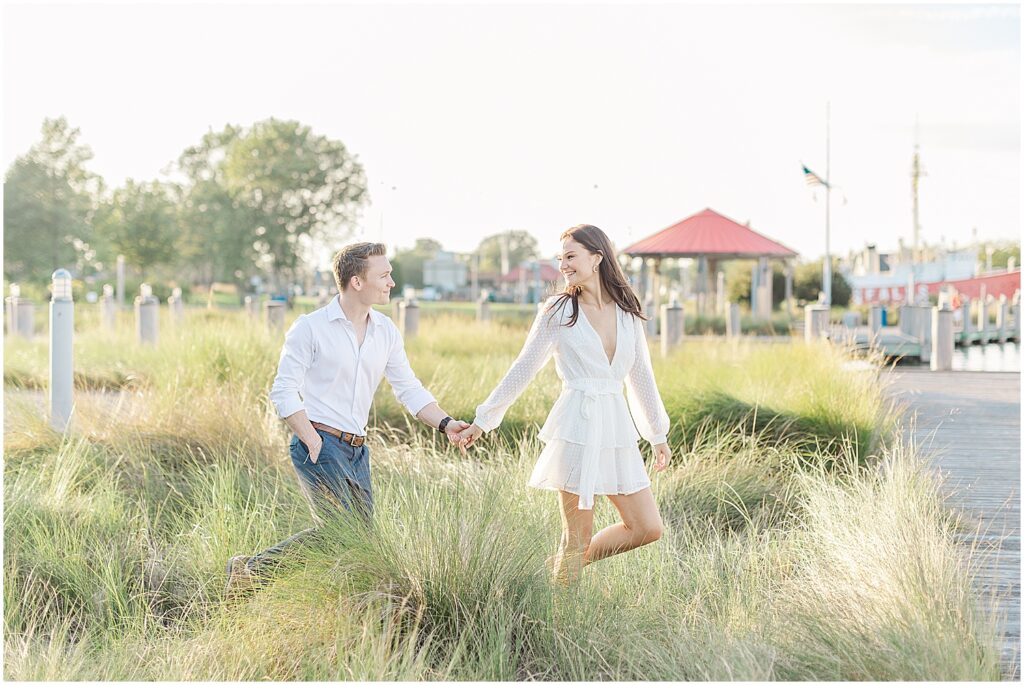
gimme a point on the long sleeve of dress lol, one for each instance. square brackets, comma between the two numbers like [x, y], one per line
[538, 348]
[642, 392]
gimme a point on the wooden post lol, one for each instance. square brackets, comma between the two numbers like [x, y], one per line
[924, 327]
[816, 320]
[941, 339]
[108, 308]
[147, 310]
[732, 322]
[965, 316]
[120, 280]
[410, 318]
[483, 308]
[251, 306]
[177, 307]
[982, 313]
[273, 314]
[671, 326]
[875, 319]
[1001, 312]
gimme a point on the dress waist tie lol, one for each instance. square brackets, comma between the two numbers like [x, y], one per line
[591, 389]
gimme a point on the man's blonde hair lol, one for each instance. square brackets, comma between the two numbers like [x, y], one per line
[351, 260]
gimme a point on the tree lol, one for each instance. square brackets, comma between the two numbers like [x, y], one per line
[140, 221]
[49, 202]
[292, 185]
[520, 246]
[738, 275]
[807, 281]
[254, 198]
[408, 263]
[216, 237]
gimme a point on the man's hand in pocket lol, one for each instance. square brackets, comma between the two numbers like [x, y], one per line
[314, 449]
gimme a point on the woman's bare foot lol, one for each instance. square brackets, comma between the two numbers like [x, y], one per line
[565, 570]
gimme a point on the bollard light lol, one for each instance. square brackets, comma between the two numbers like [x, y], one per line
[62, 284]
[62, 330]
[146, 290]
[15, 290]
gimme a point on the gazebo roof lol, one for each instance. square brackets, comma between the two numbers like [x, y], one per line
[708, 233]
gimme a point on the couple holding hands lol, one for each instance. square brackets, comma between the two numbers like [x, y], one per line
[334, 358]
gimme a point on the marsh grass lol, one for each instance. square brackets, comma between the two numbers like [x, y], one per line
[776, 564]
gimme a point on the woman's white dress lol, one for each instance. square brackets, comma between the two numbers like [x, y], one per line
[590, 435]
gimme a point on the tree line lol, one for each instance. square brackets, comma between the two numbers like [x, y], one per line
[243, 201]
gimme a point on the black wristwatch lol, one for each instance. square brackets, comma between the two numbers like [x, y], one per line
[444, 422]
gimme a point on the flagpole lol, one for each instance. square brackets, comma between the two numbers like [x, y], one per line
[827, 272]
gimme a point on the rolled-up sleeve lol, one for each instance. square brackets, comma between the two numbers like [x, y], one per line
[296, 357]
[407, 388]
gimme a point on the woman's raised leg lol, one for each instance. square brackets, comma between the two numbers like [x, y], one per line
[641, 524]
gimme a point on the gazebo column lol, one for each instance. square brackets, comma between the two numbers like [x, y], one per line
[789, 287]
[655, 311]
[711, 301]
[763, 291]
[702, 285]
[684, 280]
[644, 290]
[719, 292]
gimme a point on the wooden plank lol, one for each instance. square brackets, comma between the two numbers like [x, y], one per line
[966, 425]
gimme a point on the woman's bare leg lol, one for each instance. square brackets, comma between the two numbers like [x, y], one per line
[577, 527]
[641, 524]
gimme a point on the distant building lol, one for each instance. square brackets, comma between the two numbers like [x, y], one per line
[879, 277]
[445, 272]
[531, 281]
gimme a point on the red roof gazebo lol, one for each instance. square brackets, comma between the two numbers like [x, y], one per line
[711, 237]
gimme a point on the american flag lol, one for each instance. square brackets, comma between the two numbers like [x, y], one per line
[812, 178]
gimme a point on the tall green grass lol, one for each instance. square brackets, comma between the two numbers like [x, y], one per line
[789, 554]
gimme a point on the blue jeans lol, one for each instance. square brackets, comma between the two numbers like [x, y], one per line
[338, 484]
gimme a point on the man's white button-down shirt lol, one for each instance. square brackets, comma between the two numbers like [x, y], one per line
[324, 370]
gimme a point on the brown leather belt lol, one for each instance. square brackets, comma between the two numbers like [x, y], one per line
[354, 440]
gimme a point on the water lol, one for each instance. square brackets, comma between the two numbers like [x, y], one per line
[990, 357]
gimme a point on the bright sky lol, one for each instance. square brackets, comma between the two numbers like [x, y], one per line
[486, 117]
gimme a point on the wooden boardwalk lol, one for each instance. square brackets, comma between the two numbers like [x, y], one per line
[968, 428]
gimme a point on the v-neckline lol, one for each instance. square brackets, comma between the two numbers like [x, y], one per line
[600, 342]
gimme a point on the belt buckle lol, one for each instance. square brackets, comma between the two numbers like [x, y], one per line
[357, 440]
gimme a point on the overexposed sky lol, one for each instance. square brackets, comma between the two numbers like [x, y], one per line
[492, 117]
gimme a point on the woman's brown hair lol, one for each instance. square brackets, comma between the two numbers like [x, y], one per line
[610, 273]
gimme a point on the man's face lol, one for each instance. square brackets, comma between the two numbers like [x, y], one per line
[375, 287]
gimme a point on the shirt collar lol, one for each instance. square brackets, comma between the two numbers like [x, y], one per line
[335, 312]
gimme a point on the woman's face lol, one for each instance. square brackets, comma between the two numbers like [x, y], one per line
[577, 264]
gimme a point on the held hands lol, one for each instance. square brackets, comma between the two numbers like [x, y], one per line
[469, 435]
[662, 455]
[453, 431]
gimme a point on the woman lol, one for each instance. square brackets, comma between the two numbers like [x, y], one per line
[596, 333]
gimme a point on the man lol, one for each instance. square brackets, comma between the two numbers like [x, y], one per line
[331, 364]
